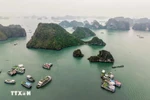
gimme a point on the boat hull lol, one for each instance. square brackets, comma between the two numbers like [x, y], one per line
[30, 80]
[43, 84]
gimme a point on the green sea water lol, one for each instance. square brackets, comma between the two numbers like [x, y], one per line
[78, 79]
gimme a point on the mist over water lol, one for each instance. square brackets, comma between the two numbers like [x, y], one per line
[108, 8]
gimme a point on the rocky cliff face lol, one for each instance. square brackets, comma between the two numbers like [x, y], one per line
[82, 32]
[94, 25]
[114, 24]
[129, 20]
[103, 56]
[77, 53]
[11, 31]
[52, 36]
[141, 26]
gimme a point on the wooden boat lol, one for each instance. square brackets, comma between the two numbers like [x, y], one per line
[118, 66]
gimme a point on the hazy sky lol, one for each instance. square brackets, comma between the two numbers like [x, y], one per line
[131, 8]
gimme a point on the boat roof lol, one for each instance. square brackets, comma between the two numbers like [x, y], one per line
[27, 83]
[20, 65]
[28, 76]
[45, 78]
[47, 63]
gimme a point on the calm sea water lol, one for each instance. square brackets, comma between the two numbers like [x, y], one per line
[78, 79]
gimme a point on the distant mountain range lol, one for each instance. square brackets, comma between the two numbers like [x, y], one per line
[117, 23]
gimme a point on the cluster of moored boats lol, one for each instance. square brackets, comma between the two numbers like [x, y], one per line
[17, 69]
[108, 82]
[20, 69]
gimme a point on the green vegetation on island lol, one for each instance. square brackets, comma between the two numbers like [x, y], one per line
[96, 41]
[52, 36]
[82, 32]
[11, 31]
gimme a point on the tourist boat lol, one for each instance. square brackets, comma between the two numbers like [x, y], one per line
[12, 72]
[109, 78]
[110, 75]
[108, 87]
[110, 82]
[118, 66]
[19, 71]
[106, 76]
[26, 85]
[21, 66]
[47, 65]
[30, 78]
[43, 82]
[113, 82]
[117, 83]
[9, 81]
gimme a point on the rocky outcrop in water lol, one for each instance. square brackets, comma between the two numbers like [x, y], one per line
[96, 41]
[94, 25]
[129, 20]
[82, 32]
[142, 20]
[141, 26]
[114, 24]
[52, 36]
[11, 31]
[103, 56]
[77, 53]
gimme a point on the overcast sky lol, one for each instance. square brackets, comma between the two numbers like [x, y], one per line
[131, 8]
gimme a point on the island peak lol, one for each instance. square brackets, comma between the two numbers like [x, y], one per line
[52, 36]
